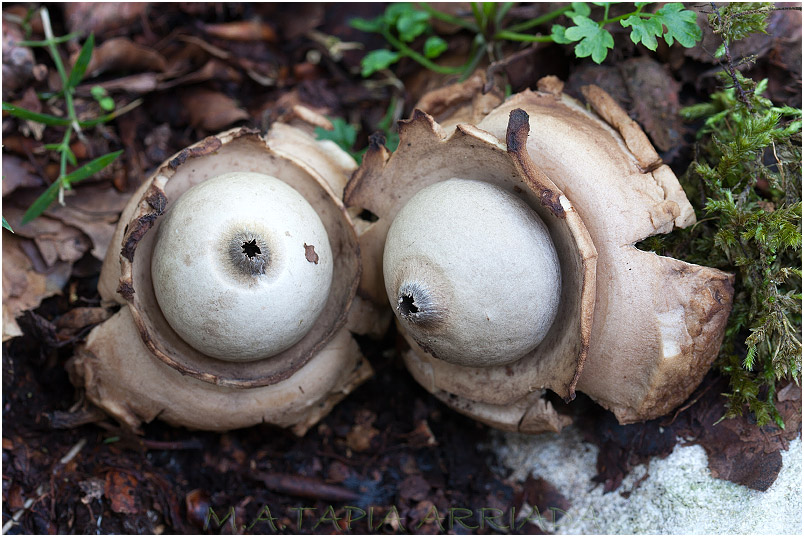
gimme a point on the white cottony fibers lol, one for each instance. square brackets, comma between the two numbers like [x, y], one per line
[472, 273]
[232, 267]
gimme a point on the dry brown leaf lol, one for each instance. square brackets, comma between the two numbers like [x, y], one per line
[360, 436]
[72, 322]
[100, 17]
[94, 209]
[138, 84]
[20, 145]
[210, 110]
[654, 100]
[54, 240]
[18, 173]
[30, 101]
[242, 31]
[414, 487]
[122, 54]
[298, 19]
[120, 488]
[18, 62]
[23, 287]
[214, 69]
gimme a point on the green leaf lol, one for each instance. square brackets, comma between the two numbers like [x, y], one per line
[82, 62]
[102, 97]
[434, 46]
[640, 5]
[367, 25]
[24, 113]
[6, 226]
[558, 33]
[643, 30]
[412, 24]
[70, 155]
[107, 104]
[49, 196]
[98, 92]
[594, 40]
[396, 10]
[342, 134]
[681, 24]
[579, 8]
[377, 60]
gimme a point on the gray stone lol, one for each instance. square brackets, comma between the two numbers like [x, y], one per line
[679, 496]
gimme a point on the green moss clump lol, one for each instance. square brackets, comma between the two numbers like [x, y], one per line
[746, 182]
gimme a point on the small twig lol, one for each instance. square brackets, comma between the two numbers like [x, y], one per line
[500, 65]
[192, 443]
[15, 518]
[305, 487]
[75, 450]
[741, 95]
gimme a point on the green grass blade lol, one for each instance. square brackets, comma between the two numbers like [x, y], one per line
[49, 196]
[24, 113]
[42, 202]
[81, 64]
[90, 168]
[6, 226]
[55, 40]
[110, 116]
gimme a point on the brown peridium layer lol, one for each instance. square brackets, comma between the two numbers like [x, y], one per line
[137, 368]
[505, 396]
[658, 322]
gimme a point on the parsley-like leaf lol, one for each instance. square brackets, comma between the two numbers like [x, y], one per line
[376, 60]
[367, 25]
[411, 24]
[434, 46]
[681, 24]
[594, 40]
[579, 8]
[557, 32]
[643, 30]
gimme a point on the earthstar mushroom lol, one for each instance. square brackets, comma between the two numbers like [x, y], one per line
[634, 330]
[235, 272]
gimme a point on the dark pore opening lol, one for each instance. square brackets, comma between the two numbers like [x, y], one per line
[407, 305]
[251, 249]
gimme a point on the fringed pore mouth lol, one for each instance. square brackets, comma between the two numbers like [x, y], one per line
[418, 305]
[249, 253]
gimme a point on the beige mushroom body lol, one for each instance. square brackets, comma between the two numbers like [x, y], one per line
[443, 254]
[235, 270]
[635, 331]
[242, 266]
